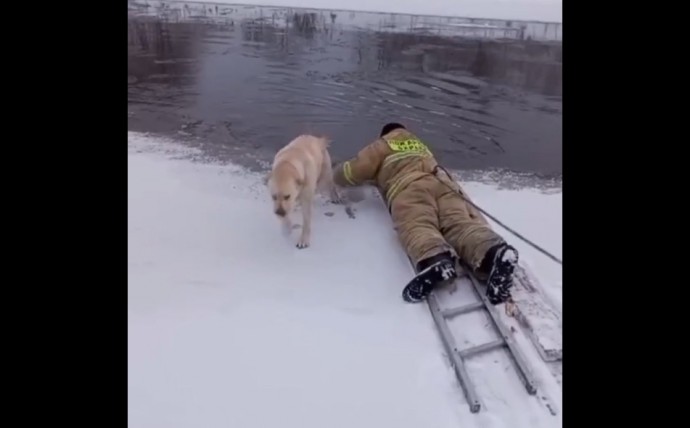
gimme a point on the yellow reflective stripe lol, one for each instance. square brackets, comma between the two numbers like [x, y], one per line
[409, 145]
[347, 173]
[392, 191]
[398, 186]
[397, 156]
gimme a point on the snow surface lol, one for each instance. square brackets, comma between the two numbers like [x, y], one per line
[231, 326]
[527, 10]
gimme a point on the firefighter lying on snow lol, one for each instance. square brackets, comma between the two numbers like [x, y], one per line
[429, 212]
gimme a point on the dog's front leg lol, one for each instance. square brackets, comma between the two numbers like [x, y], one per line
[305, 237]
[335, 195]
[326, 180]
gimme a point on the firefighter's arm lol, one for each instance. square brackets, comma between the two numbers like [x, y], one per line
[362, 168]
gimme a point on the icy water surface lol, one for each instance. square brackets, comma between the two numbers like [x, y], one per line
[241, 81]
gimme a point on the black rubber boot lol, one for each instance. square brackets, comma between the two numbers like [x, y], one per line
[500, 261]
[433, 272]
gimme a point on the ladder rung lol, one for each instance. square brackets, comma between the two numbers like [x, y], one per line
[482, 348]
[450, 313]
[451, 347]
[524, 370]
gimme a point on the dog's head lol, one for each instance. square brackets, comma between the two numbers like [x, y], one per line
[285, 186]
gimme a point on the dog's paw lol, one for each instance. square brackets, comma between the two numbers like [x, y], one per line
[302, 244]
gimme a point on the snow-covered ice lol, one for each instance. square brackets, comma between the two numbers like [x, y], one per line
[230, 325]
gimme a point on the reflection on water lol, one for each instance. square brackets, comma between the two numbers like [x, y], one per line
[243, 81]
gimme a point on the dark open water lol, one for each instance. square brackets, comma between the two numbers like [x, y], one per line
[240, 82]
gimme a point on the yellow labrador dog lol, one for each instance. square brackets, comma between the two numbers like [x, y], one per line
[299, 169]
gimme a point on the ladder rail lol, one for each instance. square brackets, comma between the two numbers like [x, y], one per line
[457, 356]
[454, 354]
[524, 371]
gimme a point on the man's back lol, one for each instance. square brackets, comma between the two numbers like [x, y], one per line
[391, 162]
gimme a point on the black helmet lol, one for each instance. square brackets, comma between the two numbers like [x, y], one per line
[390, 127]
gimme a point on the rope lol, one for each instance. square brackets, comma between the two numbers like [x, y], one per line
[527, 241]
[514, 232]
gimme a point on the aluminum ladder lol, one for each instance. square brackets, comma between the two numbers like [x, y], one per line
[458, 356]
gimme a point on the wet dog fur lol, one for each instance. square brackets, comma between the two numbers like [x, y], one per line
[299, 170]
